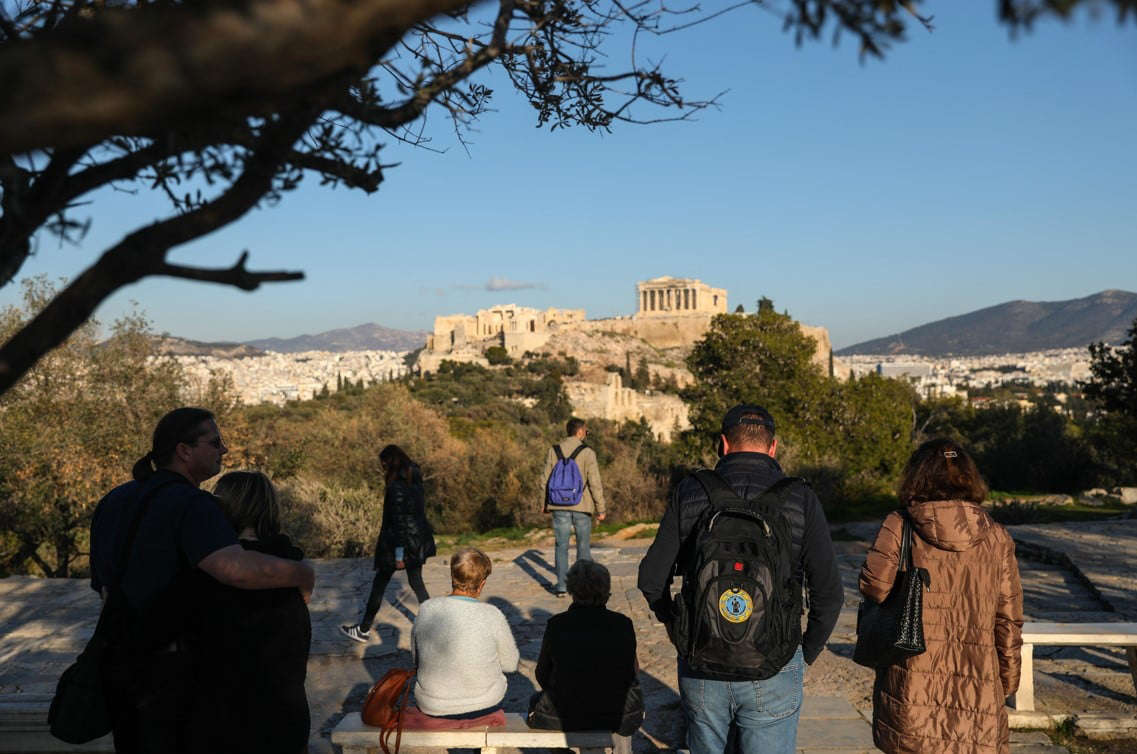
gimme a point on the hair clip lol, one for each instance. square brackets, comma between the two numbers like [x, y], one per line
[950, 454]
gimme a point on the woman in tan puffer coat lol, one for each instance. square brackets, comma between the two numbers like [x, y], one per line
[952, 698]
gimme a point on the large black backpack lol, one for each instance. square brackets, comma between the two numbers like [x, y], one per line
[739, 611]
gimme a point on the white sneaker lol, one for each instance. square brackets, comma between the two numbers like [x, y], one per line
[355, 633]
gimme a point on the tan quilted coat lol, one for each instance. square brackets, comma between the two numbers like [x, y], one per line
[951, 699]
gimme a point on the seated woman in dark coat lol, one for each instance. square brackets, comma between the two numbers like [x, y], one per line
[587, 667]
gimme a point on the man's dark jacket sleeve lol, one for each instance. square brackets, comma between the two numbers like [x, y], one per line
[822, 579]
[659, 562]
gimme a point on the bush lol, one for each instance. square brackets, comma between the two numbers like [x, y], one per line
[497, 355]
[327, 520]
[1015, 512]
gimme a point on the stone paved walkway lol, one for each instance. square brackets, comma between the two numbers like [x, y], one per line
[44, 623]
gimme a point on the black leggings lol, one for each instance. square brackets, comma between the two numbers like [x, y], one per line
[379, 585]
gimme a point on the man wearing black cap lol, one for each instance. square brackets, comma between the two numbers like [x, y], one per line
[764, 710]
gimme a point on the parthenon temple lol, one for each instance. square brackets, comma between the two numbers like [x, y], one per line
[669, 297]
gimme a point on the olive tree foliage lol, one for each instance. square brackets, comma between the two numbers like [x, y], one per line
[223, 106]
[849, 438]
[70, 430]
[1113, 384]
[1112, 388]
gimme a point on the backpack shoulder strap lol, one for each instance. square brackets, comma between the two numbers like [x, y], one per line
[143, 503]
[719, 493]
[559, 452]
[576, 452]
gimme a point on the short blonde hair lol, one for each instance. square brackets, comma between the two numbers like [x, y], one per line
[248, 499]
[468, 568]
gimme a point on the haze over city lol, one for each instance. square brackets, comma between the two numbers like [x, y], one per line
[965, 170]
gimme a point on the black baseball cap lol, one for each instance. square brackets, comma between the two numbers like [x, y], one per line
[747, 413]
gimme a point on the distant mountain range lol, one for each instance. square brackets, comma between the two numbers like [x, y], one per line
[369, 337]
[1015, 327]
[169, 344]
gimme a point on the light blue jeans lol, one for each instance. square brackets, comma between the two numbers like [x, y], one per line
[766, 712]
[564, 522]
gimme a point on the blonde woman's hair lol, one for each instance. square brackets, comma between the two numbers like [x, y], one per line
[248, 499]
[468, 568]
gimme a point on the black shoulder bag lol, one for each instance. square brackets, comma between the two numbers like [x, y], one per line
[894, 629]
[79, 712]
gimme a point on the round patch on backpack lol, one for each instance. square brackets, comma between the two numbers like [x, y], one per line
[735, 605]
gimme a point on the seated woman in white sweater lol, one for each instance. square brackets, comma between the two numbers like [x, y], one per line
[463, 648]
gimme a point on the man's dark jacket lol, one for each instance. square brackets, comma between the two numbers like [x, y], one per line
[814, 562]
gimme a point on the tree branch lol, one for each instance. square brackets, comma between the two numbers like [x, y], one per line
[332, 169]
[142, 253]
[144, 70]
[394, 117]
[27, 204]
[236, 275]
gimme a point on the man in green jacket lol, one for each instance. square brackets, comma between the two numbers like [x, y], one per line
[574, 517]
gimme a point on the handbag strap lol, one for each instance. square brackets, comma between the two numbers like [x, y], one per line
[143, 505]
[906, 543]
[395, 724]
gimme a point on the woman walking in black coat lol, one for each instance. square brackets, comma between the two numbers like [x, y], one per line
[405, 538]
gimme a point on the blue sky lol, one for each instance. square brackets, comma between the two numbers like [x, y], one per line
[967, 169]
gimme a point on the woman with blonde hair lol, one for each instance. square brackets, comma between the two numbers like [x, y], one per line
[251, 697]
[463, 647]
[953, 696]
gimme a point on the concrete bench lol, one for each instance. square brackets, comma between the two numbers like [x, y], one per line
[356, 738]
[1071, 635]
[23, 728]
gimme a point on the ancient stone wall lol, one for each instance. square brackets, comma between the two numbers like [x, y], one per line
[824, 348]
[665, 413]
[671, 313]
[661, 332]
[518, 328]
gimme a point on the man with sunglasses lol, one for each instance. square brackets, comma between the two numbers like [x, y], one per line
[148, 537]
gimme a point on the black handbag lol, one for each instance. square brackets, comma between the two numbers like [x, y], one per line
[79, 712]
[893, 630]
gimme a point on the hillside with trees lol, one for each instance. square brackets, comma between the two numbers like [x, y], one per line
[74, 426]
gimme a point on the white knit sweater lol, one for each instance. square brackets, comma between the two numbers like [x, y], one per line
[463, 648]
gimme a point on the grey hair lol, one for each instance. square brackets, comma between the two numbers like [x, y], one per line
[589, 583]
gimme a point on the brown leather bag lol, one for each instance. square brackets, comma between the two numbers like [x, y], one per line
[386, 703]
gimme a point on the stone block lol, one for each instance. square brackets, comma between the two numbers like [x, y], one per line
[1127, 495]
[1029, 737]
[841, 735]
[828, 708]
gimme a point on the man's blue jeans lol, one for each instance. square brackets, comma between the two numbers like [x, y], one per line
[564, 522]
[766, 712]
